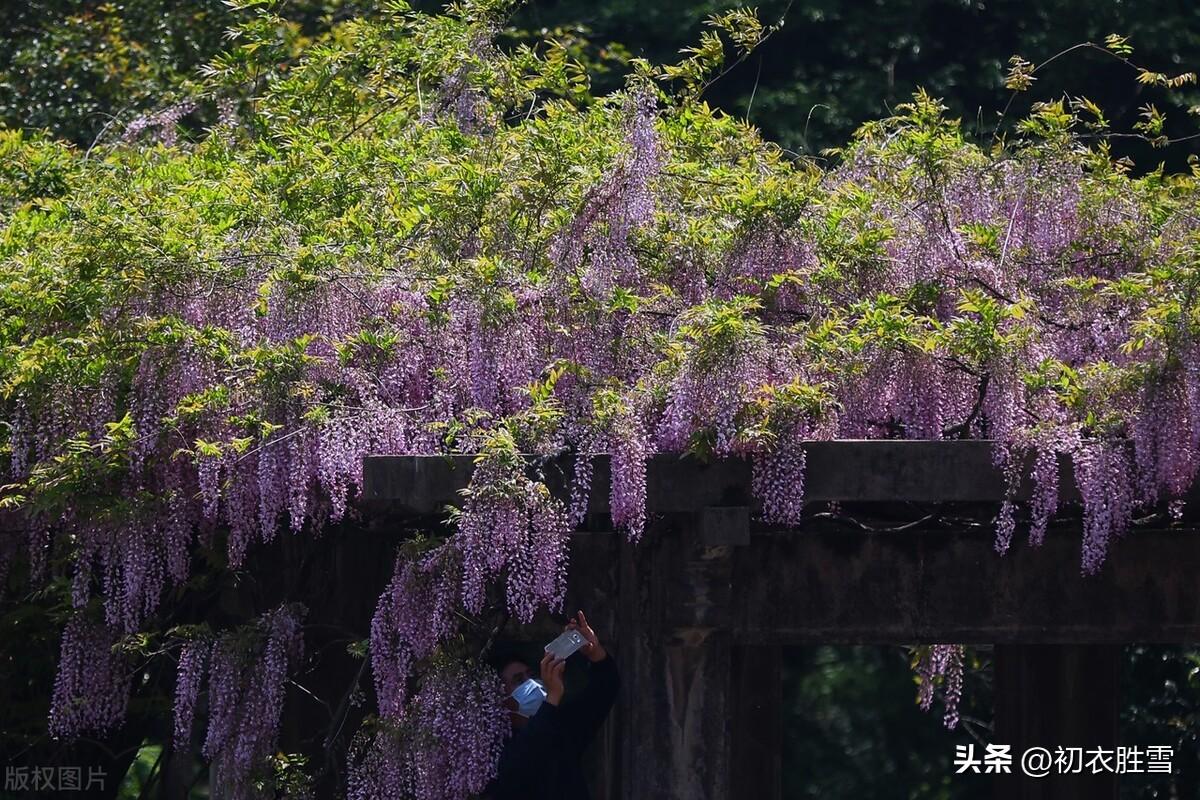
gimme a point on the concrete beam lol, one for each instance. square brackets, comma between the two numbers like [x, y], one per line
[951, 586]
[844, 470]
[851, 587]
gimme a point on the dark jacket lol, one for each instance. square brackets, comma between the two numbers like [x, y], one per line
[542, 761]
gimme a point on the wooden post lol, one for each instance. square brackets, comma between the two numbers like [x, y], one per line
[700, 715]
[1057, 695]
[756, 722]
[676, 658]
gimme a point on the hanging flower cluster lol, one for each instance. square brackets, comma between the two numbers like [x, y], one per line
[512, 527]
[91, 692]
[446, 745]
[598, 244]
[246, 685]
[188, 682]
[414, 615]
[942, 663]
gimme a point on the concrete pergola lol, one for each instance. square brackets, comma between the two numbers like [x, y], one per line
[698, 611]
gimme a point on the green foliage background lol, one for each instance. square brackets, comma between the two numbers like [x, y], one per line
[70, 65]
[838, 63]
[73, 66]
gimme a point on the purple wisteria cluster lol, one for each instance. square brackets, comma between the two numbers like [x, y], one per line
[511, 527]
[444, 747]
[627, 496]
[944, 662]
[414, 615]
[189, 679]
[778, 478]
[247, 677]
[1103, 475]
[596, 248]
[91, 691]
[162, 125]
[458, 728]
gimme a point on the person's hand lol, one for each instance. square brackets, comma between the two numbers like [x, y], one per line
[593, 649]
[552, 678]
[515, 717]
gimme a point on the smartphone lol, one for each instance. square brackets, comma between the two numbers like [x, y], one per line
[566, 644]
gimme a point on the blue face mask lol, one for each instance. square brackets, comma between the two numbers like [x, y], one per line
[529, 696]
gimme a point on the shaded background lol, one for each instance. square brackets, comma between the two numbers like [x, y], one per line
[852, 729]
[71, 65]
[838, 63]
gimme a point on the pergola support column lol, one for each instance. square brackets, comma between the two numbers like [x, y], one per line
[1049, 695]
[756, 721]
[700, 713]
[675, 693]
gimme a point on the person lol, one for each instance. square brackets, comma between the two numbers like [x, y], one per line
[543, 757]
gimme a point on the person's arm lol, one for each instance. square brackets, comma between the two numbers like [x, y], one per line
[586, 713]
[524, 760]
[530, 755]
[544, 728]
